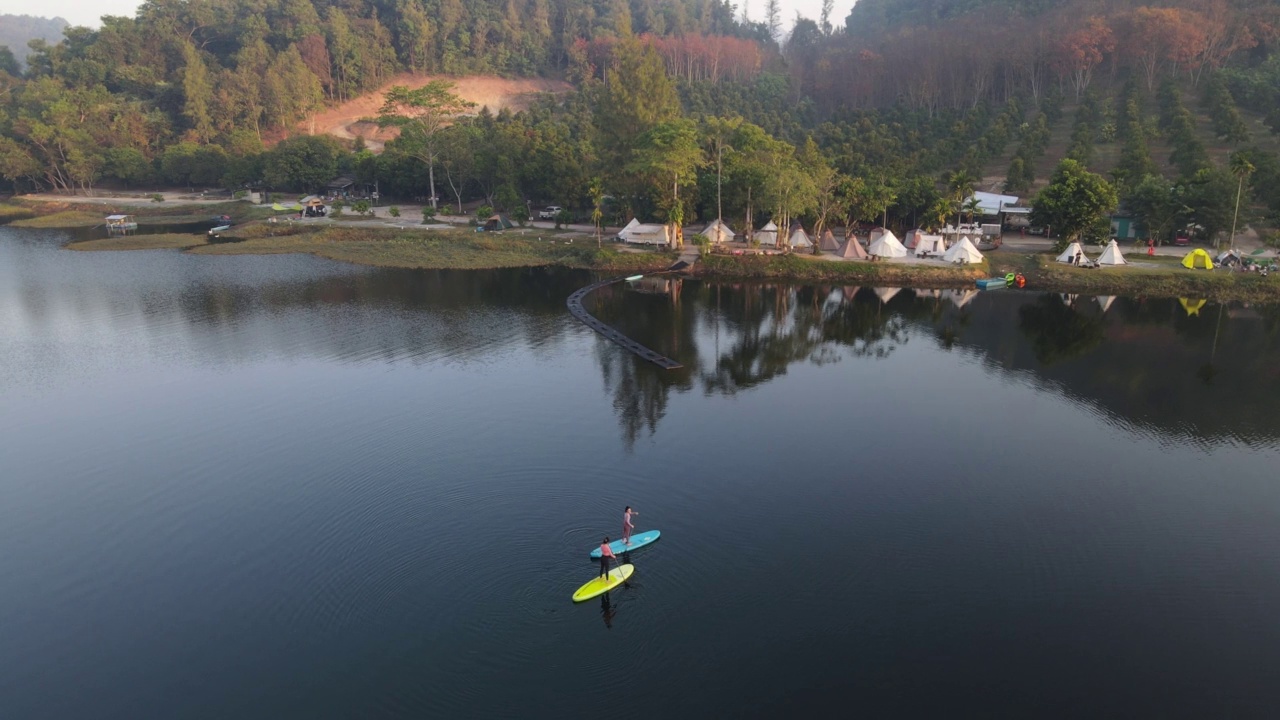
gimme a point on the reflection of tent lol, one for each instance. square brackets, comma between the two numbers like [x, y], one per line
[636, 232]
[1112, 256]
[930, 245]
[1192, 306]
[1197, 258]
[799, 238]
[963, 252]
[768, 235]
[1069, 255]
[887, 246]
[828, 242]
[960, 298]
[718, 232]
[497, 222]
[1104, 301]
[886, 294]
[852, 250]
[849, 292]
[1069, 299]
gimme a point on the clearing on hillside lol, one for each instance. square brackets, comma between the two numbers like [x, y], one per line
[351, 119]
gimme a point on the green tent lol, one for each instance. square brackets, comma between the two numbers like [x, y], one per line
[497, 222]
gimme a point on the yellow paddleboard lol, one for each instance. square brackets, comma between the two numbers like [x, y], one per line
[600, 585]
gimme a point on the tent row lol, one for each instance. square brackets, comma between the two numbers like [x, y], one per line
[1074, 255]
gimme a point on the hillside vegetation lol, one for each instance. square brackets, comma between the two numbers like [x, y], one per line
[670, 110]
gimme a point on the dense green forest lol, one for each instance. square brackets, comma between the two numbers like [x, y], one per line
[682, 109]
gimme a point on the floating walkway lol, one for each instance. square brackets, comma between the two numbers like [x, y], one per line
[576, 309]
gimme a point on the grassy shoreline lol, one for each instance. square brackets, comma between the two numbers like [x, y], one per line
[465, 250]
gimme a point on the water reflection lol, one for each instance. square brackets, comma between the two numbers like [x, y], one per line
[1181, 368]
[1174, 367]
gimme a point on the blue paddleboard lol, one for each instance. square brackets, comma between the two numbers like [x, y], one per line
[638, 540]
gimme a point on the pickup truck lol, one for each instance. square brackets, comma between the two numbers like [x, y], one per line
[549, 212]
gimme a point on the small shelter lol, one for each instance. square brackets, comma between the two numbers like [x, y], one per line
[828, 242]
[638, 233]
[767, 235]
[120, 223]
[1197, 258]
[1227, 258]
[930, 245]
[852, 250]
[718, 232]
[1104, 302]
[497, 222]
[992, 204]
[340, 186]
[799, 238]
[1073, 251]
[1112, 255]
[963, 253]
[887, 246]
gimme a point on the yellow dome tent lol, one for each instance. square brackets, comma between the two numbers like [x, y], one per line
[1197, 258]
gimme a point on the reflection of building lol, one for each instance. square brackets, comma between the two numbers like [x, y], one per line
[658, 285]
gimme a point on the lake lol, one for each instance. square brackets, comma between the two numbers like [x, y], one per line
[281, 487]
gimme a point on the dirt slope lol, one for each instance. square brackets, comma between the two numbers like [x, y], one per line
[346, 120]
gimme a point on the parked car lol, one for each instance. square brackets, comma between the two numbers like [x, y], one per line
[1181, 241]
[550, 212]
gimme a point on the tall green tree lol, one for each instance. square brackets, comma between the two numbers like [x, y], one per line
[1074, 202]
[421, 114]
[197, 92]
[668, 155]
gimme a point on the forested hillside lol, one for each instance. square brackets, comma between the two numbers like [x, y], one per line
[681, 109]
[17, 30]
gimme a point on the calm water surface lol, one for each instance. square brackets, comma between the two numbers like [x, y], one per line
[279, 487]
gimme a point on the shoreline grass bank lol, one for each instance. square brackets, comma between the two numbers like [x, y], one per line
[463, 249]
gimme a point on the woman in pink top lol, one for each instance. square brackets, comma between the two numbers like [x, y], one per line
[627, 527]
[606, 554]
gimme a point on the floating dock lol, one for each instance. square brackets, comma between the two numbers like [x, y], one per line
[576, 309]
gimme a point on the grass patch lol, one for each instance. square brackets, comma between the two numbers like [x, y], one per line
[10, 212]
[812, 269]
[1159, 276]
[62, 219]
[140, 242]
[431, 249]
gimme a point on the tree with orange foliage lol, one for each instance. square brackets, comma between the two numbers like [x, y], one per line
[1079, 52]
[1154, 36]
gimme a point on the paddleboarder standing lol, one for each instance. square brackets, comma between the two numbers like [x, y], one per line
[606, 554]
[627, 527]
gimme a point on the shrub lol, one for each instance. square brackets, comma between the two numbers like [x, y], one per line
[484, 212]
[564, 217]
[520, 213]
[428, 214]
[362, 207]
[157, 198]
[240, 194]
[393, 211]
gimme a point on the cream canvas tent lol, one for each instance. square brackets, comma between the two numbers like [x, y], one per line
[828, 242]
[963, 253]
[930, 245]
[718, 232]
[640, 234]
[768, 235]
[852, 250]
[1112, 256]
[887, 246]
[799, 238]
[1068, 256]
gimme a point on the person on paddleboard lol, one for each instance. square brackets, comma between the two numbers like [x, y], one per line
[606, 554]
[627, 527]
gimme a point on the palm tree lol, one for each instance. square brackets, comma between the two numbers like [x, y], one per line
[972, 207]
[960, 183]
[1241, 168]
